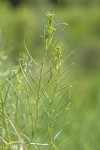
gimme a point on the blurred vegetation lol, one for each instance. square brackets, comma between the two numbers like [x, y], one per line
[24, 21]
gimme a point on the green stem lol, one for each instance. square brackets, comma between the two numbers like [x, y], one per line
[39, 93]
[3, 114]
[52, 114]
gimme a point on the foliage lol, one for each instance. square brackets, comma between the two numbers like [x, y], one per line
[83, 30]
[82, 35]
[35, 99]
[15, 3]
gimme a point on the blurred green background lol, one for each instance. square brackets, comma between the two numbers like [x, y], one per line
[23, 20]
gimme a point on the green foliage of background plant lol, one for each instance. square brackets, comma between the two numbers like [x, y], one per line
[83, 30]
